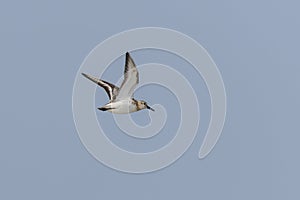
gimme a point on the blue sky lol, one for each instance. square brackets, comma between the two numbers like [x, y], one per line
[255, 45]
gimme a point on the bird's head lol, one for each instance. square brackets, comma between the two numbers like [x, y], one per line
[143, 105]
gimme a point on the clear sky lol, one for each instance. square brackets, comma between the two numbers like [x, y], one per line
[256, 47]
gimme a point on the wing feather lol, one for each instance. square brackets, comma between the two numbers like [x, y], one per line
[131, 79]
[110, 88]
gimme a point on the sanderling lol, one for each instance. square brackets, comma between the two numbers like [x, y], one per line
[121, 99]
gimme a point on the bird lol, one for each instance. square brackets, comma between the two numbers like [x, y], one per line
[121, 99]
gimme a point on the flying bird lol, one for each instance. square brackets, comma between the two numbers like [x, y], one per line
[121, 99]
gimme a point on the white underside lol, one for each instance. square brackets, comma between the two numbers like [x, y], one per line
[121, 107]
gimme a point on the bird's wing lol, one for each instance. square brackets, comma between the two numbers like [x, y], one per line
[110, 88]
[131, 79]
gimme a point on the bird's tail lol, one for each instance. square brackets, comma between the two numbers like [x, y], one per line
[105, 108]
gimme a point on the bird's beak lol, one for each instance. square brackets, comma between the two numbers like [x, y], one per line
[148, 107]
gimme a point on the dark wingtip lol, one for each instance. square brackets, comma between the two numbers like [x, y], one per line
[87, 76]
[83, 74]
[128, 55]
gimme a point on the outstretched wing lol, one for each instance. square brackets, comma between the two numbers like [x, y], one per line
[131, 79]
[110, 88]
